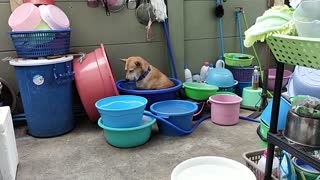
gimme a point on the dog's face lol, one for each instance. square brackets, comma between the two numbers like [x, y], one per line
[135, 67]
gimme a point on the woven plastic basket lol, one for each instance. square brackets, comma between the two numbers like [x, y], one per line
[34, 44]
[296, 50]
[242, 74]
[252, 159]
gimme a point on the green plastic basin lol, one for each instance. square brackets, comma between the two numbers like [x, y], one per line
[238, 60]
[128, 137]
[199, 91]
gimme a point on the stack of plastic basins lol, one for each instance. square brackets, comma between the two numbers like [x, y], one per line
[243, 75]
[45, 84]
[241, 67]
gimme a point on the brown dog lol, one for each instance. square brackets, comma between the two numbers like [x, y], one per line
[145, 75]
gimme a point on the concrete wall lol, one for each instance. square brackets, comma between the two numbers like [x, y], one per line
[192, 25]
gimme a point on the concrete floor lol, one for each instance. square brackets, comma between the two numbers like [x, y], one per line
[83, 154]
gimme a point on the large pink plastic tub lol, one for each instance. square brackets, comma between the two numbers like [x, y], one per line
[225, 109]
[94, 80]
[272, 78]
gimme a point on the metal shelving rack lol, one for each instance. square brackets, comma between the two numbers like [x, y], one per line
[295, 51]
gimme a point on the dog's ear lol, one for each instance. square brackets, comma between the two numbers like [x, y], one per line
[123, 60]
[137, 63]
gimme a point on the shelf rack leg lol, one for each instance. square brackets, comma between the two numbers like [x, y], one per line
[274, 118]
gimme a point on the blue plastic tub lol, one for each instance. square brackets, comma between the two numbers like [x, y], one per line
[284, 108]
[46, 92]
[153, 96]
[240, 86]
[124, 111]
[178, 112]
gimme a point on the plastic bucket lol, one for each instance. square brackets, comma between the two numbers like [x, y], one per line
[272, 78]
[153, 96]
[46, 92]
[128, 137]
[263, 137]
[284, 108]
[251, 97]
[121, 111]
[308, 172]
[240, 86]
[178, 112]
[225, 109]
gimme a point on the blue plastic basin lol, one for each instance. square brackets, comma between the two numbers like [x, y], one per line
[122, 111]
[178, 112]
[284, 108]
[129, 87]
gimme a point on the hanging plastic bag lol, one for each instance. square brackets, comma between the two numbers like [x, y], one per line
[286, 170]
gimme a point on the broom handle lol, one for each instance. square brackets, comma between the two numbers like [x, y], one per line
[170, 49]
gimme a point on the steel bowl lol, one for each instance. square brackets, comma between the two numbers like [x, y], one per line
[302, 130]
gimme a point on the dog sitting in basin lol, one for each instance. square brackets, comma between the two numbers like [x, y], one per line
[145, 75]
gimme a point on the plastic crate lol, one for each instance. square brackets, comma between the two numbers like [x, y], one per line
[243, 74]
[253, 157]
[34, 44]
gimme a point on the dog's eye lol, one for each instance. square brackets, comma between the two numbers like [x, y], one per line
[131, 71]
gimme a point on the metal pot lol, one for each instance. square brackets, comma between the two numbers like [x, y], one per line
[302, 130]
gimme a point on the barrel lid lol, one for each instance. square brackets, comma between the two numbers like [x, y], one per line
[40, 62]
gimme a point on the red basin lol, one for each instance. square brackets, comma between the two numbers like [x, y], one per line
[94, 80]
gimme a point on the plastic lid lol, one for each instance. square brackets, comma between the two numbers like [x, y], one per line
[196, 73]
[58, 16]
[206, 63]
[185, 66]
[211, 65]
[40, 62]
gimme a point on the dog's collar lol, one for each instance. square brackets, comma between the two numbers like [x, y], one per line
[145, 74]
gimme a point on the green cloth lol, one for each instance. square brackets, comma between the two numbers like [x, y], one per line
[277, 20]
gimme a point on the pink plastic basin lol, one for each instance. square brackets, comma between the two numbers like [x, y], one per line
[272, 78]
[225, 109]
[94, 80]
[54, 17]
[26, 17]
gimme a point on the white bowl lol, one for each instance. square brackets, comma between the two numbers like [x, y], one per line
[210, 168]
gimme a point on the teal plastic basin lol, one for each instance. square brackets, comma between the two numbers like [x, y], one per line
[128, 137]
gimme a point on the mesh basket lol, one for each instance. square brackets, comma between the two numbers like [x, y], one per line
[296, 50]
[252, 159]
[242, 74]
[33, 44]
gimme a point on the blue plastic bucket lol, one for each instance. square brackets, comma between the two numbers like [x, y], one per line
[240, 86]
[124, 111]
[153, 96]
[46, 92]
[178, 112]
[284, 108]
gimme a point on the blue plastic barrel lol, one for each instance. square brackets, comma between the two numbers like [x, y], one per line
[46, 92]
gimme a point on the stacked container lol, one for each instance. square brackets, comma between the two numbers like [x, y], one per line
[45, 84]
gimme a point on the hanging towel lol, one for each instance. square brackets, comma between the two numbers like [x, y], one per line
[277, 20]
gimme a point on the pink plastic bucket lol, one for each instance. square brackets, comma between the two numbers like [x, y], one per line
[225, 109]
[272, 78]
